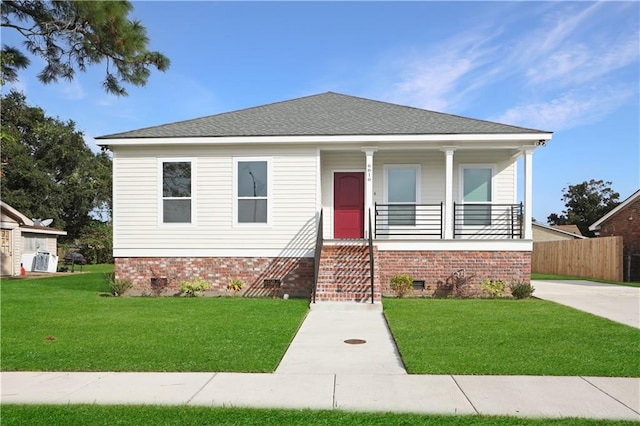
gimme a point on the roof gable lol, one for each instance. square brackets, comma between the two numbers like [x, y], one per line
[15, 214]
[27, 224]
[326, 114]
[632, 198]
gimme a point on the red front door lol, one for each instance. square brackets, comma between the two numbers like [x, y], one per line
[348, 205]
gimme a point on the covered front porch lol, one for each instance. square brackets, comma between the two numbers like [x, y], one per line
[430, 194]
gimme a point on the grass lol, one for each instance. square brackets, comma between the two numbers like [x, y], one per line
[538, 276]
[69, 323]
[134, 415]
[509, 337]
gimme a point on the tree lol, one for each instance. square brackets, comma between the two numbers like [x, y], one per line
[585, 203]
[75, 34]
[48, 171]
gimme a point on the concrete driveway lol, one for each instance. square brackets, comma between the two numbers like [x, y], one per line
[615, 302]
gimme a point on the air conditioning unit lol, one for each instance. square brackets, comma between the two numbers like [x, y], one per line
[41, 262]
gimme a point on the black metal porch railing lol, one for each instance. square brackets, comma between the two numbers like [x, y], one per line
[319, 242]
[487, 220]
[409, 220]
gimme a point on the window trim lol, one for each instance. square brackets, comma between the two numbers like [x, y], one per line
[269, 197]
[462, 168]
[161, 196]
[418, 169]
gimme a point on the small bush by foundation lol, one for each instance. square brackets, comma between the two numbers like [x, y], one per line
[401, 284]
[521, 290]
[195, 287]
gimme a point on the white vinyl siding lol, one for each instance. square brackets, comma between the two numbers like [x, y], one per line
[293, 190]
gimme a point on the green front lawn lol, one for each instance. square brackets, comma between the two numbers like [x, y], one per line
[69, 323]
[509, 337]
[52, 415]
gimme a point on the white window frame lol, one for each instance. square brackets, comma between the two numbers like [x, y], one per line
[161, 196]
[269, 197]
[462, 168]
[418, 170]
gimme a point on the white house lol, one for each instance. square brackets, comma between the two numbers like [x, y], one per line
[244, 194]
[22, 239]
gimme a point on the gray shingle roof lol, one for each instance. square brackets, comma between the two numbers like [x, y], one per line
[326, 114]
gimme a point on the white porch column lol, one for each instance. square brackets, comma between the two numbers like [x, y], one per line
[368, 187]
[528, 193]
[448, 192]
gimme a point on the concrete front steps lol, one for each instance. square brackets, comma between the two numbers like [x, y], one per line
[345, 274]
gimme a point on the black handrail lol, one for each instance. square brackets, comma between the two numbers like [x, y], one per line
[371, 259]
[319, 243]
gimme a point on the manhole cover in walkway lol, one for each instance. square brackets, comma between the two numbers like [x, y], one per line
[355, 341]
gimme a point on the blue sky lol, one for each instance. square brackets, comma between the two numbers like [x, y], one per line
[568, 67]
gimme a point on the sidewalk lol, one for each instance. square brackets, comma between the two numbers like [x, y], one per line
[523, 396]
[321, 371]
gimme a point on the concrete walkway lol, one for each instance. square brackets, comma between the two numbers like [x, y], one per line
[319, 346]
[321, 371]
[523, 396]
[615, 302]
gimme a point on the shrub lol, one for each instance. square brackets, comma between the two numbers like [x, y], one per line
[195, 287]
[401, 284]
[235, 286]
[494, 288]
[118, 287]
[521, 290]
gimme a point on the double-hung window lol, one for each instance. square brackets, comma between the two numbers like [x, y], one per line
[477, 195]
[177, 191]
[252, 191]
[401, 194]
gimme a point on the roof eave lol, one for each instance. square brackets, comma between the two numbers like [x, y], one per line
[43, 230]
[532, 138]
[559, 231]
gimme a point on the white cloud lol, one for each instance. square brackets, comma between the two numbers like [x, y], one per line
[566, 70]
[441, 78]
[570, 109]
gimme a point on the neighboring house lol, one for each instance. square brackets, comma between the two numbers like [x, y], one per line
[542, 233]
[242, 195]
[624, 220]
[22, 239]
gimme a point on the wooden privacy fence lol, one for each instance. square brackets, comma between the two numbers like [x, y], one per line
[599, 258]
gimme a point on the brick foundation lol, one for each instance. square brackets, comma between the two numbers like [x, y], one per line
[295, 274]
[435, 266]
